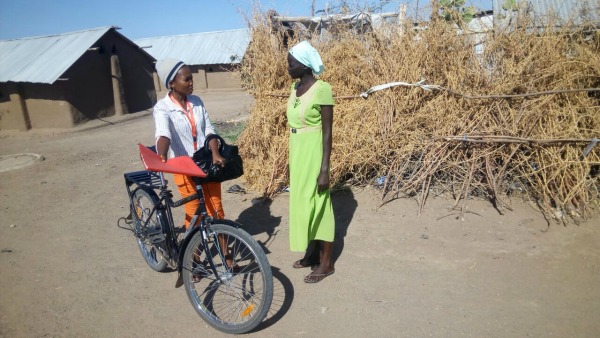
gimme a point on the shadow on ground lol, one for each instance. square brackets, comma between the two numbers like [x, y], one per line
[344, 207]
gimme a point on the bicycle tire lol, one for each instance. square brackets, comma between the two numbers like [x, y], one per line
[144, 202]
[239, 299]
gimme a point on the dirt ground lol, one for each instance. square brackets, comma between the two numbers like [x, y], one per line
[67, 270]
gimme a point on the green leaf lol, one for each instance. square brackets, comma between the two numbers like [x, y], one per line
[446, 3]
[509, 5]
[469, 10]
[467, 17]
[459, 3]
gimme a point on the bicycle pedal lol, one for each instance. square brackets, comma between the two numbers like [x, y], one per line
[158, 238]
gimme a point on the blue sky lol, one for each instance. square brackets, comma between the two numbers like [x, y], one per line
[151, 18]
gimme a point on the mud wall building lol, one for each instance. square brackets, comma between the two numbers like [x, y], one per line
[62, 80]
[212, 56]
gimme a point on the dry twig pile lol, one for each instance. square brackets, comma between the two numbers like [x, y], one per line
[439, 141]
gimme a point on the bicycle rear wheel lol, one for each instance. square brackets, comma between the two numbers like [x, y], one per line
[239, 297]
[149, 236]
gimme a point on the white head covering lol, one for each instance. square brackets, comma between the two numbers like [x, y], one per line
[167, 70]
[308, 56]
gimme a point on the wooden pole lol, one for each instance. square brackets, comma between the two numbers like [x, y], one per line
[401, 17]
[118, 93]
[17, 98]
[157, 86]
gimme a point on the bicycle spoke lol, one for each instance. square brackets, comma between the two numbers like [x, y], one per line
[146, 217]
[238, 297]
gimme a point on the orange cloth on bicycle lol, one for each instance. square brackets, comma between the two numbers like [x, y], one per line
[212, 196]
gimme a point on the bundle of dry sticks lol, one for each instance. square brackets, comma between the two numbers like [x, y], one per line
[520, 117]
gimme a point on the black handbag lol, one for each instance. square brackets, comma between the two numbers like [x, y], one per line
[233, 168]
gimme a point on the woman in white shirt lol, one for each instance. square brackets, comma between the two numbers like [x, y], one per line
[182, 125]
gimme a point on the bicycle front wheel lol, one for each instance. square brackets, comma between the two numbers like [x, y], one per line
[238, 297]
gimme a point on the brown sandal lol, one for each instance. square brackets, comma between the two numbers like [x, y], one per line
[317, 277]
[299, 264]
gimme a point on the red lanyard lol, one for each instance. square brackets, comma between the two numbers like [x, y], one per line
[189, 113]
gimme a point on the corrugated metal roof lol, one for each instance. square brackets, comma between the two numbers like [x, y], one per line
[44, 59]
[575, 12]
[207, 48]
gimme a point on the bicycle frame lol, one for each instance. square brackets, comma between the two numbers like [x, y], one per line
[200, 221]
[225, 271]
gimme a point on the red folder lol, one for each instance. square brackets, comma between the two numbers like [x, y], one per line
[179, 165]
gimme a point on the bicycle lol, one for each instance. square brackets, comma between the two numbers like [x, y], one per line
[226, 273]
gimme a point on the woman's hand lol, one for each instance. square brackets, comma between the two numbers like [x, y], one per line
[162, 147]
[218, 160]
[323, 182]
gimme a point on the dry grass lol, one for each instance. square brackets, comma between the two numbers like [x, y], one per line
[406, 133]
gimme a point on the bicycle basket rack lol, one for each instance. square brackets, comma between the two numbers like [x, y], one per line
[144, 179]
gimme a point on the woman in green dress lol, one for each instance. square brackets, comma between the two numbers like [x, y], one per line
[310, 117]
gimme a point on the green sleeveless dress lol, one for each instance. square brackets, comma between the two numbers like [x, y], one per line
[311, 213]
